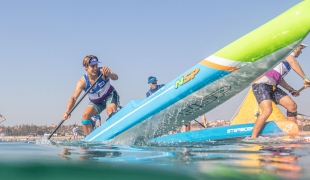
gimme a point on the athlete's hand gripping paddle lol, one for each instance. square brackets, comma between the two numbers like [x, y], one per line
[296, 93]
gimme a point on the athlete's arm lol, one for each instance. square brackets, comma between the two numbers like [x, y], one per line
[80, 85]
[107, 73]
[113, 76]
[295, 65]
[297, 68]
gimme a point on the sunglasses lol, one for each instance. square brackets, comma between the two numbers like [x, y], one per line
[154, 82]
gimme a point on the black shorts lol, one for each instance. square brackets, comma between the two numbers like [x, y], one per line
[267, 92]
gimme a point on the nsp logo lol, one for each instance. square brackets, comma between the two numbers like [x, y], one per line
[186, 78]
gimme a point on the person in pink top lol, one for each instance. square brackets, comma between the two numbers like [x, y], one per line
[266, 90]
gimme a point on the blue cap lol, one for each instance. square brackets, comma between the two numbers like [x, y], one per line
[93, 61]
[151, 79]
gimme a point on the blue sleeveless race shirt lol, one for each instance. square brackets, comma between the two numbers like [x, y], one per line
[151, 91]
[100, 91]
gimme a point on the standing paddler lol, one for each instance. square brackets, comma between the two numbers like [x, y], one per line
[266, 90]
[102, 95]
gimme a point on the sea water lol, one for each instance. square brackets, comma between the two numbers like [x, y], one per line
[44, 159]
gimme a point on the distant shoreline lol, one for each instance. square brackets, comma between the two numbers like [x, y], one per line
[30, 138]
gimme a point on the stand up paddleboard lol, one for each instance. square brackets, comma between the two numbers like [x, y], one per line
[209, 83]
[272, 128]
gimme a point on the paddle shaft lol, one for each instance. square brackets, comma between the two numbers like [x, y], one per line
[2, 118]
[200, 123]
[307, 116]
[299, 92]
[301, 89]
[69, 113]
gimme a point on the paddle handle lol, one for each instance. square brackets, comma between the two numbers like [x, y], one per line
[69, 113]
[301, 89]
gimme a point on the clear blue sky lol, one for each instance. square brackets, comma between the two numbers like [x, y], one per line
[42, 44]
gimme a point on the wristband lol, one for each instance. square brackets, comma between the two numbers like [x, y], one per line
[304, 78]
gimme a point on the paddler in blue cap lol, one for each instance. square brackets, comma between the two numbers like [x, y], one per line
[152, 81]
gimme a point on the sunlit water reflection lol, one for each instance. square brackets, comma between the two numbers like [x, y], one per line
[215, 160]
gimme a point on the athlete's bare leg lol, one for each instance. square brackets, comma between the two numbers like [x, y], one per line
[288, 103]
[87, 114]
[266, 107]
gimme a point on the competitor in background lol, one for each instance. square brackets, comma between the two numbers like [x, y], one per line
[152, 81]
[186, 127]
[266, 90]
[204, 120]
[102, 96]
[96, 121]
[119, 107]
[75, 132]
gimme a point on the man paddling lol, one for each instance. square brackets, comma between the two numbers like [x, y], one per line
[152, 81]
[266, 90]
[96, 121]
[102, 96]
[75, 132]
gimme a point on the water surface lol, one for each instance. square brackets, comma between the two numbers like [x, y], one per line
[45, 159]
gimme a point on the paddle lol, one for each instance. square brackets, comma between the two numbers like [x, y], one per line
[307, 116]
[299, 90]
[69, 113]
[2, 118]
[200, 123]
